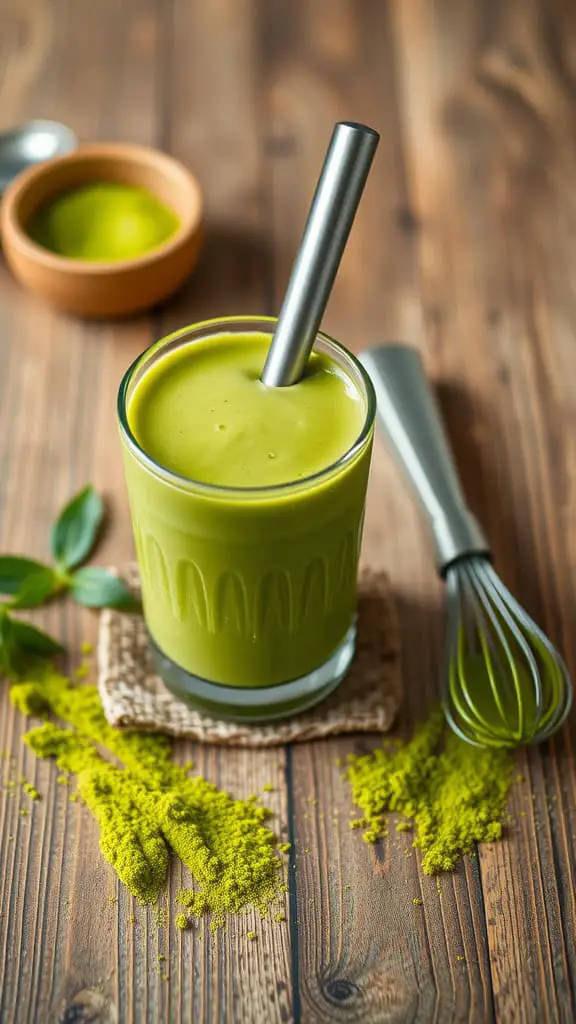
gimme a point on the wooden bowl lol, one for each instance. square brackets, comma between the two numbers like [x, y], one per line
[103, 288]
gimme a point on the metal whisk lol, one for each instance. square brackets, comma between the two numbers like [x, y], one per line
[504, 683]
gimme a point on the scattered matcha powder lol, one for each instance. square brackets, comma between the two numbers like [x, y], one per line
[455, 794]
[151, 806]
[30, 790]
[160, 915]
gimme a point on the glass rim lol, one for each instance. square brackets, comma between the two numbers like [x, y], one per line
[190, 485]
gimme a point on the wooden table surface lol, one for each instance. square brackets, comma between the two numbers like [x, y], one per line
[466, 246]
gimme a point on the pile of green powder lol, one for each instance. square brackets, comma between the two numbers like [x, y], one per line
[147, 806]
[104, 220]
[452, 794]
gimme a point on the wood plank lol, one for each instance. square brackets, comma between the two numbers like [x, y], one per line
[213, 121]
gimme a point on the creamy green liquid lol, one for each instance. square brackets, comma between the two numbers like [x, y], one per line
[103, 221]
[241, 588]
[203, 412]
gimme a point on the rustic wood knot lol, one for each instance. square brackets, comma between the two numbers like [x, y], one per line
[407, 220]
[280, 145]
[340, 989]
[89, 1006]
[513, 55]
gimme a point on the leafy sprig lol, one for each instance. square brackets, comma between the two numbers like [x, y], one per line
[28, 583]
[75, 532]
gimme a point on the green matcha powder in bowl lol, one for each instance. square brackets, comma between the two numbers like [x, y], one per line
[103, 221]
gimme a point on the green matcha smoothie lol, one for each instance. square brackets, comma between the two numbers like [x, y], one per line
[247, 502]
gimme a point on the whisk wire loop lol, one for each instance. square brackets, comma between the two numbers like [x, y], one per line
[477, 656]
[552, 675]
[492, 659]
[504, 683]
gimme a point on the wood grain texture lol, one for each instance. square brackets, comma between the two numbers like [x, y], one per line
[465, 245]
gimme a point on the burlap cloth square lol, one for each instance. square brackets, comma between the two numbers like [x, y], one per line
[367, 700]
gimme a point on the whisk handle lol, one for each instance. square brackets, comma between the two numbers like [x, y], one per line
[411, 420]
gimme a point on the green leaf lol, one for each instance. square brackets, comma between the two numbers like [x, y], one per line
[35, 589]
[75, 533]
[7, 649]
[98, 588]
[15, 571]
[35, 641]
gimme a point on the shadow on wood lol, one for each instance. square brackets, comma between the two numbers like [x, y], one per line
[235, 265]
[475, 442]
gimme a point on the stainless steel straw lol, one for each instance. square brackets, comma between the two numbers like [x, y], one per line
[338, 193]
[504, 683]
